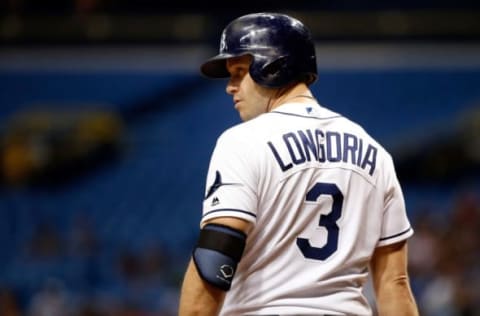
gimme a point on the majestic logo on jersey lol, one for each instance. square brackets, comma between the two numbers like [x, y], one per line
[215, 201]
[217, 183]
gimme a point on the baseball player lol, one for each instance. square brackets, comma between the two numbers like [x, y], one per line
[300, 203]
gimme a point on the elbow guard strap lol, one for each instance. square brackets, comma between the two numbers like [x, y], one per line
[217, 253]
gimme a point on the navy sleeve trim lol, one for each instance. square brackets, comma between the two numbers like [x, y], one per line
[396, 235]
[230, 210]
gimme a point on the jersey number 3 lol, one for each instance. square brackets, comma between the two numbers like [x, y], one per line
[329, 221]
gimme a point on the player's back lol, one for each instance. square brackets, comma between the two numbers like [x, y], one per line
[321, 184]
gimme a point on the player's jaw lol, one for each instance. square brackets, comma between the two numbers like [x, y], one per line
[249, 102]
[249, 98]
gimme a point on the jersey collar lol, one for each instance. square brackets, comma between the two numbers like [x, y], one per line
[299, 108]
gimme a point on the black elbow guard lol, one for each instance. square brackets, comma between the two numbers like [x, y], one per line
[218, 251]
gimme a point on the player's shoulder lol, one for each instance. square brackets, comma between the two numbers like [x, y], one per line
[243, 139]
[244, 131]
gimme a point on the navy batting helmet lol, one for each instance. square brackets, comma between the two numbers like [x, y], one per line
[281, 46]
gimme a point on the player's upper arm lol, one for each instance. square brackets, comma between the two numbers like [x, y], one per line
[233, 222]
[389, 265]
[390, 281]
[219, 249]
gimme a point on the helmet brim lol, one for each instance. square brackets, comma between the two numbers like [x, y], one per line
[216, 67]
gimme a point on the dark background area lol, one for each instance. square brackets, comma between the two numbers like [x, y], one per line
[106, 129]
[108, 21]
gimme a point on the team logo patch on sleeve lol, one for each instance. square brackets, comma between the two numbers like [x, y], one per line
[217, 183]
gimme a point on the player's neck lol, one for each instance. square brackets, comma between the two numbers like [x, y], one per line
[298, 94]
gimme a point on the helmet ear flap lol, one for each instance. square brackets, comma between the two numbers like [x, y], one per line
[273, 73]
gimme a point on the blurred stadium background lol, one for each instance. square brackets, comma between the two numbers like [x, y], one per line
[106, 128]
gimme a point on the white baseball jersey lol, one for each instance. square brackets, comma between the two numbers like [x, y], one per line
[321, 193]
